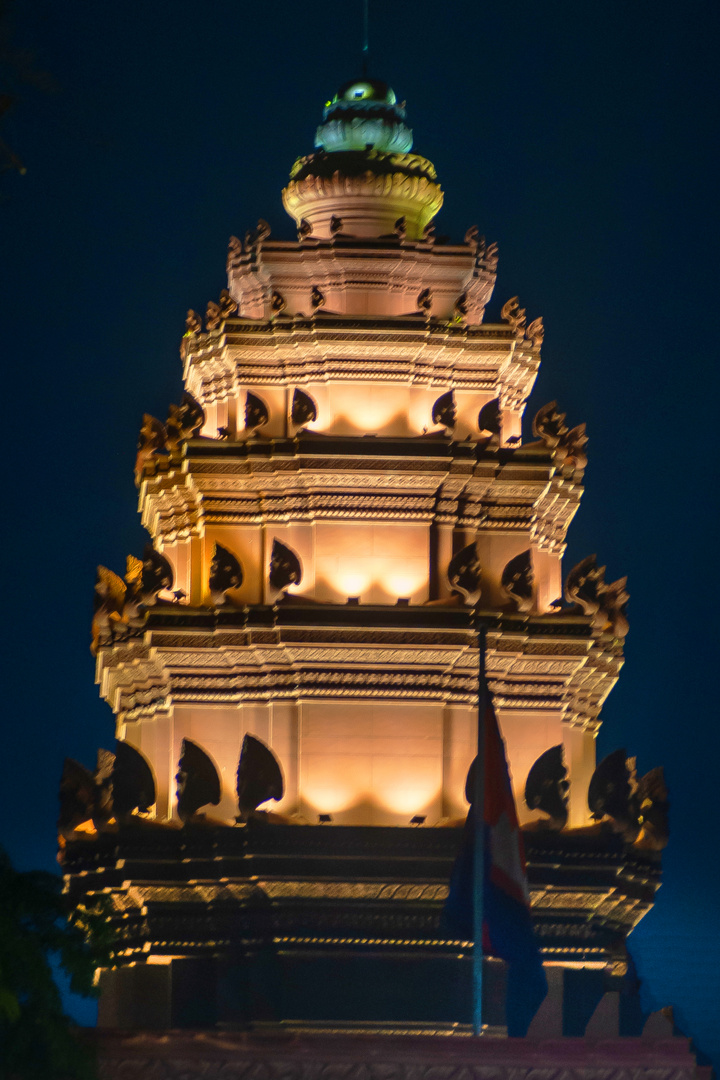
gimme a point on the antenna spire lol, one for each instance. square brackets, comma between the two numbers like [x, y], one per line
[366, 38]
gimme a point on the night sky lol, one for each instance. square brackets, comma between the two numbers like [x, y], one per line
[581, 137]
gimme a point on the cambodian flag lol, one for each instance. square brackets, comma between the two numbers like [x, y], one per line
[507, 923]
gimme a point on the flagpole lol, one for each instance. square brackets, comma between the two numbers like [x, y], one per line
[478, 808]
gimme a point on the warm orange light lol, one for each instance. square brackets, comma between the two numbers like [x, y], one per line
[352, 582]
[329, 798]
[411, 796]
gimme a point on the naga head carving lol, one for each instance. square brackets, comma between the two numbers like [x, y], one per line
[549, 425]
[254, 237]
[152, 438]
[157, 574]
[133, 783]
[444, 411]
[110, 593]
[303, 410]
[225, 574]
[547, 787]
[585, 584]
[285, 567]
[259, 776]
[612, 794]
[653, 808]
[518, 581]
[464, 572]
[256, 412]
[198, 783]
[513, 314]
[490, 418]
[184, 421]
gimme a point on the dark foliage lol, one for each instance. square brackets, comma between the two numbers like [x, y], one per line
[36, 1037]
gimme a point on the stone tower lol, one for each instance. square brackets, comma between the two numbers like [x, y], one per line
[341, 499]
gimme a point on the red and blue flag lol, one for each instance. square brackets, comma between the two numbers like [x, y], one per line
[507, 922]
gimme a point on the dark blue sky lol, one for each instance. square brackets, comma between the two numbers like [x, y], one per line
[581, 137]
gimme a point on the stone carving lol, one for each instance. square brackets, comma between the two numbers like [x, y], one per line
[217, 313]
[184, 421]
[460, 307]
[304, 229]
[303, 410]
[612, 794]
[571, 453]
[464, 572]
[547, 787]
[255, 237]
[549, 425]
[336, 225]
[133, 783]
[193, 322]
[424, 300]
[285, 567]
[213, 316]
[444, 412]
[514, 315]
[487, 255]
[109, 602]
[317, 298]
[490, 418]
[157, 574]
[277, 302]
[535, 333]
[151, 439]
[198, 783]
[225, 574]
[472, 239]
[653, 806]
[429, 234]
[400, 228]
[567, 446]
[585, 586]
[228, 306]
[613, 605]
[518, 581]
[635, 808]
[78, 797]
[234, 249]
[256, 412]
[132, 610]
[259, 777]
